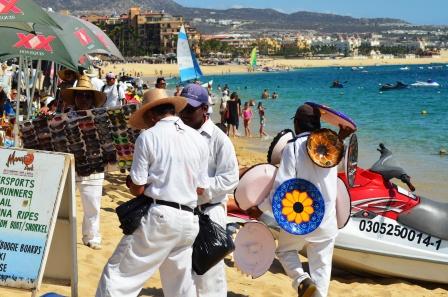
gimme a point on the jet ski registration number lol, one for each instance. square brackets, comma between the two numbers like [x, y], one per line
[399, 231]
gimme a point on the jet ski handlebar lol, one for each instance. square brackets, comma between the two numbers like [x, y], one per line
[389, 168]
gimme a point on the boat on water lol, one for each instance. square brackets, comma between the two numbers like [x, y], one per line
[397, 86]
[426, 84]
[189, 69]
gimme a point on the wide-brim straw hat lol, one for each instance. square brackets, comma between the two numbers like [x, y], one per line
[83, 84]
[63, 74]
[151, 99]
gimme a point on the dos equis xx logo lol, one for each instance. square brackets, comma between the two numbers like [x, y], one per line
[35, 42]
[7, 7]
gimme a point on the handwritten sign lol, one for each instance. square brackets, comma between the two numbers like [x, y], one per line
[29, 191]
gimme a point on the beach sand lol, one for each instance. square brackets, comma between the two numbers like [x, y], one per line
[169, 70]
[250, 151]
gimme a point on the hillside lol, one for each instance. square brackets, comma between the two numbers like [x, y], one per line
[255, 19]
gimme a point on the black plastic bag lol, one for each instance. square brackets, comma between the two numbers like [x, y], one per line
[131, 213]
[211, 245]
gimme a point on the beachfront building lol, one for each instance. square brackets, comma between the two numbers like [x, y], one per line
[139, 33]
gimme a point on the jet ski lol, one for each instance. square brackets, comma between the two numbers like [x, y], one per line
[397, 86]
[426, 84]
[392, 231]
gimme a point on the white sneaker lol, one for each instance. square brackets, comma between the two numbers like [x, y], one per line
[93, 245]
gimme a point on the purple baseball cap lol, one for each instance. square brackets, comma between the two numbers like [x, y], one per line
[195, 94]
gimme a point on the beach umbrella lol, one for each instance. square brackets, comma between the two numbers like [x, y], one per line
[104, 39]
[23, 14]
[85, 36]
[45, 43]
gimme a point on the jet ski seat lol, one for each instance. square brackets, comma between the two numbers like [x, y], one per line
[428, 216]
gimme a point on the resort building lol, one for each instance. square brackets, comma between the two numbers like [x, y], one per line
[140, 33]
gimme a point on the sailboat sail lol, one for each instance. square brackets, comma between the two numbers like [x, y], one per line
[188, 65]
[253, 58]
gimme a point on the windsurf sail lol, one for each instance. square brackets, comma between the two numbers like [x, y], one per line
[253, 58]
[186, 60]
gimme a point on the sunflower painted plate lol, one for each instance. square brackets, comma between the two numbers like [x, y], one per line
[325, 148]
[298, 206]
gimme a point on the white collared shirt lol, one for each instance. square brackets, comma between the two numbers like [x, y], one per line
[296, 163]
[222, 164]
[171, 159]
[114, 94]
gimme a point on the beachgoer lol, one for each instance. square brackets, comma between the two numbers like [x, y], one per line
[223, 175]
[178, 90]
[160, 83]
[232, 114]
[319, 244]
[261, 113]
[274, 95]
[169, 166]
[223, 106]
[265, 94]
[84, 97]
[114, 92]
[247, 117]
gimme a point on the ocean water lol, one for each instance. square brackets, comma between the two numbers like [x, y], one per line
[393, 117]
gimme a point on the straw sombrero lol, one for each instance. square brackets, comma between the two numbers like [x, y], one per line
[153, 98]
[83, 84]
[64, 73]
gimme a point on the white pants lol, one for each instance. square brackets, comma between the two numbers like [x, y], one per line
[319, 260]
[213, 283]
[91, 192]
[163, 241]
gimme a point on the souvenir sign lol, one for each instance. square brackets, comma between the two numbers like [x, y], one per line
[351, 160]
[255, 185]
[333, 117]
[325, 148]
[298, 206]
[254, 249]
[278, 144]
[343, 204]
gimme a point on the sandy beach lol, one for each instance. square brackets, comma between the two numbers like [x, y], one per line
[273, 283]
[168, 70]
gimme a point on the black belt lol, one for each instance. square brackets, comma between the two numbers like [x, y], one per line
[172, 204]
[203, 207]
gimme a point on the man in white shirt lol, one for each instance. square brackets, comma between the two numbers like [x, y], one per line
[169, 166]
[223, 177]
[319, 244]
[114, 92]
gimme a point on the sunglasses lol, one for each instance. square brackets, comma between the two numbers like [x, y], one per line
[110, 157]
[99, 111]
[86, 126]
[57, 127]
[128, 109]
[120, 140]
[76, 146]
[30, 143]
[102, 119]
[41, 122]
[123, 164]
[113, 112]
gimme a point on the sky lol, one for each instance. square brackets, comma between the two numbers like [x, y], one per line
[421, 12]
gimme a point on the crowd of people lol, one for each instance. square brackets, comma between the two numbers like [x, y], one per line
[231, 110]
[183, 163]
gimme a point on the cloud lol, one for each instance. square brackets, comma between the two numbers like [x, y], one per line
[237, 6]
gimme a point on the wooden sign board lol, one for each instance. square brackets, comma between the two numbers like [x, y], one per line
[37, 219]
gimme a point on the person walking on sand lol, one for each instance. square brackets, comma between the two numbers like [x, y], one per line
[261, 113]
[83, 97]
[319, 244]
[233, 113]
[170, 168]
[247, 117]
[223, 177]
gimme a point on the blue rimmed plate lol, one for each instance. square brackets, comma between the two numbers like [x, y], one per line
[298, 206]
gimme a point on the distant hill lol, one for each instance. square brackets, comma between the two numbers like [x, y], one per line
[257, 19]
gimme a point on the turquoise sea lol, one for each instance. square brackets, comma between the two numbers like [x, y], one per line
[393, 117]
